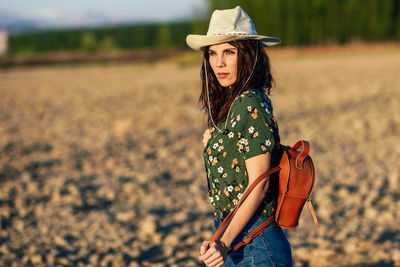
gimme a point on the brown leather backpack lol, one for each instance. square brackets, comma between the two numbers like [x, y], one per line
[296, 182]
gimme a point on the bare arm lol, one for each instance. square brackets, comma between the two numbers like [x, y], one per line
[216, 254]
[255, 167]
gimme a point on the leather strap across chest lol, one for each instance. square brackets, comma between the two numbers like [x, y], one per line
[221, 229]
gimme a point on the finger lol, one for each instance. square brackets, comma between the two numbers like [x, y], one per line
[204, 247]
[215, 258]
[217, 262]
[210, 251]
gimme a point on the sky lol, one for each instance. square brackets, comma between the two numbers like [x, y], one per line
[91, 12]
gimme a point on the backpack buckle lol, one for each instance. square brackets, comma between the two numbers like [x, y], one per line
[299, 164]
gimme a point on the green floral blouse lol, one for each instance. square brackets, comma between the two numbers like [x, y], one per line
[251, 130]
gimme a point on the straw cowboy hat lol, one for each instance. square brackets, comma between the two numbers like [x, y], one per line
[229, 25]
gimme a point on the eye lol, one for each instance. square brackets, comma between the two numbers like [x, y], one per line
[230, 52]
[211, 53]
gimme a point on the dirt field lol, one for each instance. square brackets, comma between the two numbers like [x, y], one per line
[101, 165]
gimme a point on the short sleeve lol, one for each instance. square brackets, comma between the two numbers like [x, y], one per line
[253, 116]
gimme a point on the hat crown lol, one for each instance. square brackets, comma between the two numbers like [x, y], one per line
[231, 21]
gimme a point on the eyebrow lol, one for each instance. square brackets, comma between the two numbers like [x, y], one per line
[227, 49]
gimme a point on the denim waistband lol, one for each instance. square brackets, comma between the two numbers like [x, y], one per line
[254, 221]
[221, 215]
[218, 214]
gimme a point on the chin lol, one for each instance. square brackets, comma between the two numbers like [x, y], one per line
[226, 83]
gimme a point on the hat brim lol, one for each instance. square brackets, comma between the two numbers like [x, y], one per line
[198, 42]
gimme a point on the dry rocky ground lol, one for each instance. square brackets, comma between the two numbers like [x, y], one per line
[100, 165]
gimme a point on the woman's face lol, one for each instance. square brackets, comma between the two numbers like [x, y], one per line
[223, 61]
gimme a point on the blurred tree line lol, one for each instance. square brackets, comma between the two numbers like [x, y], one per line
[308, 22]
[128, 37]
[305, 22]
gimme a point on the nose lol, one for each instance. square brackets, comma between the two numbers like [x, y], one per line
[221, 60]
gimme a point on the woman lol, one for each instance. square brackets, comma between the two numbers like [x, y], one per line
[240, 141]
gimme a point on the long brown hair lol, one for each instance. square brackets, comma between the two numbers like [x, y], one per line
[221, 98]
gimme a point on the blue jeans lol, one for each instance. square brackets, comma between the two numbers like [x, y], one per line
[269, 248]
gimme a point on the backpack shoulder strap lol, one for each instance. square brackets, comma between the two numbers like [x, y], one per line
[228, 218]
[314, 216]
[253, 234]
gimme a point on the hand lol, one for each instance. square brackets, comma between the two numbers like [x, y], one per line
[215, 255]
[206, 136]
[204, 247]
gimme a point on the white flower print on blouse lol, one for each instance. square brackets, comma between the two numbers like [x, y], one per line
[266, 108]
[222, 149]
[220, 170]
[242, 141]
[251, 129]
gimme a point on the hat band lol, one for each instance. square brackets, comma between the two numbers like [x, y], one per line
[232, 33]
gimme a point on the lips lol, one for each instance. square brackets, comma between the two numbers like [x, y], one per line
[222, 75]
